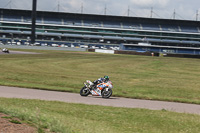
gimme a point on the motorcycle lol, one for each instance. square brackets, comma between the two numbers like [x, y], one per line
[5, 50]
[101, 89]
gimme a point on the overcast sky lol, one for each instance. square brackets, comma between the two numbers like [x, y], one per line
[184, 9]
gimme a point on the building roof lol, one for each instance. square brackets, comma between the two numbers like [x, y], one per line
[101, 17]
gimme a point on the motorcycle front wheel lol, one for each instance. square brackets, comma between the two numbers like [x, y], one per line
[84, 91]
[106, 94]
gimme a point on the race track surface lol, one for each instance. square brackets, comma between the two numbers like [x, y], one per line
[15, 92]
[17, 52]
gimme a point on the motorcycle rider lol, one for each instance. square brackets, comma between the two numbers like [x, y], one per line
[106, 78]
[100, 87]
[5, 50]
[100, 80]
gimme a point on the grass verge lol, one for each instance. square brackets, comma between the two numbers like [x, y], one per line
[167, 79]
[80, 118]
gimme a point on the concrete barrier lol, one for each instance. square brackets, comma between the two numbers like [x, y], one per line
[104, 51]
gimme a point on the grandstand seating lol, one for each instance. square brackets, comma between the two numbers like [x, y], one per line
[106, 24]
[114, 29]
[150, 27]
[27, 19]
[52, 21]
[171, 28]
[109, 24]
[92, 23]
[128, 25]
[189, 29]
[132, 39]
[12, 18]
[38, 20]
[74, 22]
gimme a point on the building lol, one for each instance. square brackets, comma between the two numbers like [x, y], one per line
[134, 33]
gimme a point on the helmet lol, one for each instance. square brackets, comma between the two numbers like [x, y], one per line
[106, 78]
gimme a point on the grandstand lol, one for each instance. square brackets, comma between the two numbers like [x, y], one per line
[133, 33]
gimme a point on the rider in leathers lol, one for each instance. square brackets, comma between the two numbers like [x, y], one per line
[100, 80]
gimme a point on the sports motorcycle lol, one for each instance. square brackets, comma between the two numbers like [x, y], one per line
[102, 89]
[5, 50]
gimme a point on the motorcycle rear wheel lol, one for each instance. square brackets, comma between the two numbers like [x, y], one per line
[84, 91]
[106, 94]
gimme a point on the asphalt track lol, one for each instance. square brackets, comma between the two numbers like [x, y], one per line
[18, 52]
[15, 92]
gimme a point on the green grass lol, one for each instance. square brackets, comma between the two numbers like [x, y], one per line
[142, 77]
[7, 117]
[170, 79]
[15, 121]
[80, 118]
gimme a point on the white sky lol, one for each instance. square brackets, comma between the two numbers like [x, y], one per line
[185, 9]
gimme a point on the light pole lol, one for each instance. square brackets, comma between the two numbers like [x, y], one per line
[33, 21]
[11, 38]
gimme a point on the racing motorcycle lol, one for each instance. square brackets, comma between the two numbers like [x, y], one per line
[101, 89]
[5, 50]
